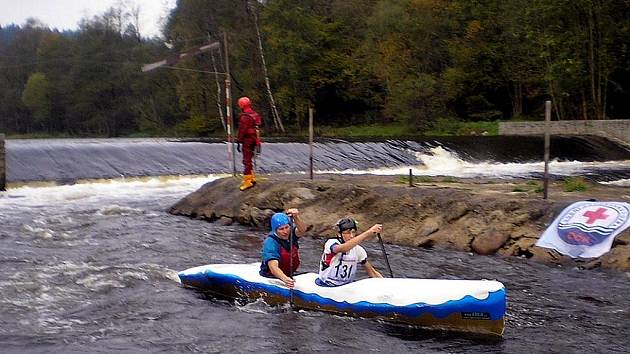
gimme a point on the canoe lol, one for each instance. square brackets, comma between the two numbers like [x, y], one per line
[461, 305]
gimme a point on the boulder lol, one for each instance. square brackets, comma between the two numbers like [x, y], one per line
[489, 242]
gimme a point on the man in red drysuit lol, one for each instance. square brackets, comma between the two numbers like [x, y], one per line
[249, 123]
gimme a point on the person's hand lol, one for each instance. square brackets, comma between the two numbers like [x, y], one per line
[238, 147]
[293, 212]
[258, 149]
[376, 228]
[289, 283]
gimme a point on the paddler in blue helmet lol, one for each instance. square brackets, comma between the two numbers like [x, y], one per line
[343, 254]
[279, 260]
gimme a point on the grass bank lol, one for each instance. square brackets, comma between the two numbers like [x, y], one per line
[442, 127]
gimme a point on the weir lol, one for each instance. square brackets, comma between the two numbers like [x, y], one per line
[69, 160]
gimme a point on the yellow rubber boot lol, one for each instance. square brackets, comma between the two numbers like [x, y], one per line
[253, 178]
[247, 183]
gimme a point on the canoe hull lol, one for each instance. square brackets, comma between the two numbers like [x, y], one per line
[459, 305]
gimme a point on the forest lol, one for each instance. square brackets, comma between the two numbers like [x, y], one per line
[417, 64]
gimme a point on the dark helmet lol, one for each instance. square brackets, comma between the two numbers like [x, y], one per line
[346, 224]
[244, 102]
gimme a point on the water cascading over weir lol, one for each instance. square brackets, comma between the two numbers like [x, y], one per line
[71, 160]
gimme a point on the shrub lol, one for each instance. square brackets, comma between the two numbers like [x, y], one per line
[574, 184]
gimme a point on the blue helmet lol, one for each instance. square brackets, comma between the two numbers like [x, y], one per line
[277, 220]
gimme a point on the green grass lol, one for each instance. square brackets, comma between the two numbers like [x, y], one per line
[575, 184]
[416, 179]
[197, 128]
[39, 136]
[404, 179]
[442, 127]
[424, 179]
[529, 186]
[364, 131]
[448, 127]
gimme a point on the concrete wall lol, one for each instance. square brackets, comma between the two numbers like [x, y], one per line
[615, 129]
[3, 170]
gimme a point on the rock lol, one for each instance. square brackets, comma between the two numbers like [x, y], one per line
[224, 221]
[430, 225]
[536, 214]
[456, 211]
[521, 218]
[467, 215]
[260, 218]
[297, 195]
[520, 248]
[489, 242]
[546, 255]
[623, 238]
[425, 243]
[618, 258]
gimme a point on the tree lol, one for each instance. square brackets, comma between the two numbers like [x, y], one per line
[36, 97]
[406, 49]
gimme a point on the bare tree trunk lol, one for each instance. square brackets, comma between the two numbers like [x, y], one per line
[517, 99]
[591, 61]
[134, 12]
[604, 99]
[274, 110]
[584, 106]
[216, 80]
[603, 64]
[556, 102]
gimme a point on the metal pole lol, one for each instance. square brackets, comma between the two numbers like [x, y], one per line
[410, 178]
[547, 125]
[310, 138]
[228, 108]
[3, 166]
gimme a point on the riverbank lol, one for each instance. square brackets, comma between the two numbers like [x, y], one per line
[472, 215]
[442, 127]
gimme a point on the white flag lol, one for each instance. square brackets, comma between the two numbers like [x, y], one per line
[586, 229]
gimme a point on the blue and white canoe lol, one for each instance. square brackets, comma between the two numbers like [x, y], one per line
[461, 305]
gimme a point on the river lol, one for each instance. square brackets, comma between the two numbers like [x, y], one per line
[91, 267]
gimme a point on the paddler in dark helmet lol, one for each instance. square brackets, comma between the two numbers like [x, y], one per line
[277, 255]
[343, 254]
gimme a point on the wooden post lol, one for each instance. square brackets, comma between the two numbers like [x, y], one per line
[547, 125]
[3, 166]
[410, 178]
[310, 139]
[228, 108]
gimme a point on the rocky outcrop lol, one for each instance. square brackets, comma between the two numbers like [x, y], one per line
[485, 217]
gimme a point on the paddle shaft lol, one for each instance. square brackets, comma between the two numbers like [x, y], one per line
[291, 261]
[380, 241]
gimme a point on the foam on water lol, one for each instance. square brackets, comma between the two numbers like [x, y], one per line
[103, 191]
[622, 182]
[441, 162]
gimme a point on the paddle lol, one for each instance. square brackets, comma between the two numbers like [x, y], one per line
[291, 261]
[380, 240]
